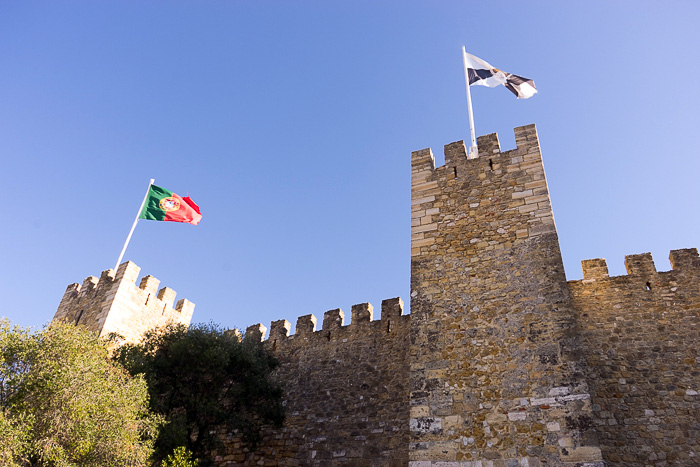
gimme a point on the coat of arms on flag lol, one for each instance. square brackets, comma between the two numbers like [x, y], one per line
[164, 205]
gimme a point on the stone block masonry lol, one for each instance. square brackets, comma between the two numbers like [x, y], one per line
[497, 374]
[346, 391]
[113, 303]
[641, 334]
[501, 363]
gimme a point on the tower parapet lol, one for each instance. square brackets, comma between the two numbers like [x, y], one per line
[114, 304]
[510, 185]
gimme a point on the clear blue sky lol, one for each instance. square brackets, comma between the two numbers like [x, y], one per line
[291, 124]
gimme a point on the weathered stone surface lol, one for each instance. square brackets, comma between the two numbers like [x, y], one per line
[491, 303]
[114, 304]
[640, 334]
[346, 393]
[501, 362]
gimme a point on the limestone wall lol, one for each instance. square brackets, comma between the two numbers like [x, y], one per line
[346, 392]
[496, 367]
[501, 363]
[641, 332]
[113, 303]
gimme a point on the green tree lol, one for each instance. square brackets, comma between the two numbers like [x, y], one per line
[181, 457]
[66, 403]
[202, 379]
[14, 441]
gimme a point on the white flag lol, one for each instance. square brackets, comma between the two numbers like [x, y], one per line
[484, 74]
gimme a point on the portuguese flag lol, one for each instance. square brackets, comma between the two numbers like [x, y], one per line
[164, 205]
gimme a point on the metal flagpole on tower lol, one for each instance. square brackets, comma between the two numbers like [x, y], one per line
[138, 214]
[473, 150]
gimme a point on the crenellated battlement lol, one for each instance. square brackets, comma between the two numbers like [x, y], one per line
[527, 147]
[113, 303]
[333, 325]
[510, 186]
[684, 261]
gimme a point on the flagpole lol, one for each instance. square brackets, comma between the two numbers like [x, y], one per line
[473, 150]
[138, 214]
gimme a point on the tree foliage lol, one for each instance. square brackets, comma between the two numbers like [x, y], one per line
[66, 403]
[181, 457]
[14, 440]
[203, 379]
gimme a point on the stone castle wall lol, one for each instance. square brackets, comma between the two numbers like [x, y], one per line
[113, 303]
[346, 392]
[640, 333]
[501, 363]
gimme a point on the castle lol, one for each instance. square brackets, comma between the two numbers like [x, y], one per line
[113, 304]
[502, 362]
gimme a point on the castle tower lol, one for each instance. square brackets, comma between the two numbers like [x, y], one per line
[114, 304]
[496, 366]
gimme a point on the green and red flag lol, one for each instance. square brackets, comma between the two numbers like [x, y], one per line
[164, 205]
